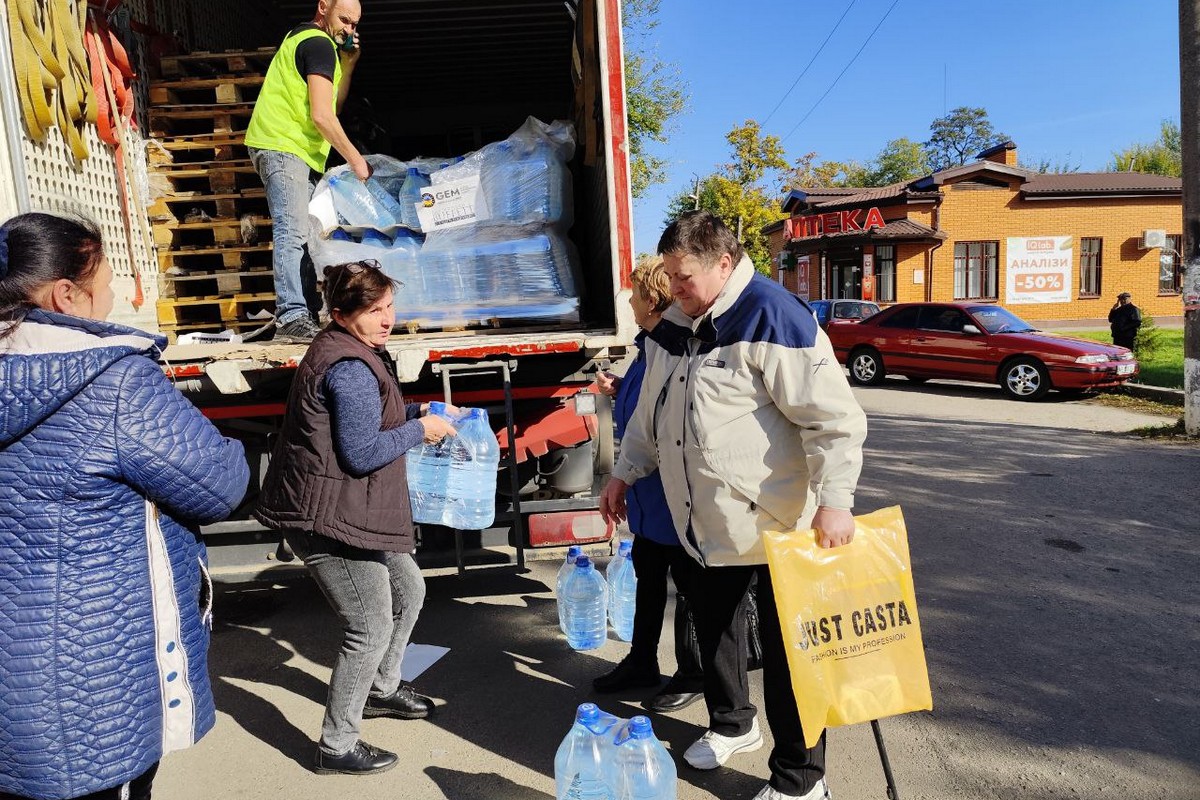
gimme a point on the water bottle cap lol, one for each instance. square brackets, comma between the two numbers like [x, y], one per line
[574, 551]
[437, 408]
[587, 712]
[414, 171]
[625, 547]
[640, 728]
[583, 562]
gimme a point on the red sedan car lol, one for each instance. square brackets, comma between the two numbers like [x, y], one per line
[976, 342]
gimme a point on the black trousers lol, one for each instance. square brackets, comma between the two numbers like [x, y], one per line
[1124, 339]
[139, 789]
[720, 598]
[651, 562]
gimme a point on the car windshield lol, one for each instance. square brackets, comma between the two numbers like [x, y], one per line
[998, 320]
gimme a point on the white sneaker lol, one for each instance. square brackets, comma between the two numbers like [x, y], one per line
[712, 749]
[818, 792]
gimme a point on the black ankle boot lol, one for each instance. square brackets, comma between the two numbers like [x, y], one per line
[628, 675]
[404, 703]
[363, 759]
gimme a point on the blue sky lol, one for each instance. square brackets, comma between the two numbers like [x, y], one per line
[1067, 80]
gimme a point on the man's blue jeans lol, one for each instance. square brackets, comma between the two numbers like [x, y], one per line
[289, 185]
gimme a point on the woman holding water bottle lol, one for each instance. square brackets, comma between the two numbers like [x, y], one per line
[337, 488]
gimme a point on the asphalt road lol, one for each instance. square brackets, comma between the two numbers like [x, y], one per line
[1057, 572]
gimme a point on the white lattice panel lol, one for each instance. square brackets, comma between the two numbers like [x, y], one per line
[57, 184]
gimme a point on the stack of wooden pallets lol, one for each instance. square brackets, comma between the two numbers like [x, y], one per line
[212, 229]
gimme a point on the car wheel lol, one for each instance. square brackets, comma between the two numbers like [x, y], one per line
[866, 367]
[916, 379]
[1025, 379]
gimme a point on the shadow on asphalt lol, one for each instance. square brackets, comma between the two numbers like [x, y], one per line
[510, 683]
[1056, 574]
[980, 391]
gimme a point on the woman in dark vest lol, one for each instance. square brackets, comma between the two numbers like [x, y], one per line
[338, 490]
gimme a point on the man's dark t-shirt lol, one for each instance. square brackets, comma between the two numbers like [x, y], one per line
[315, 56]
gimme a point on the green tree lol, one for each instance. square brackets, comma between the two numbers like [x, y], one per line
[809, 173]
[744, 191]
[900, 160]
[1160, 157]
[958, 137]
[654, 93]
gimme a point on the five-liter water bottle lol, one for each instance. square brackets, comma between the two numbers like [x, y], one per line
[584, 604]
[429, 476]
[410, 195]
[622, 591]
[358, 204]
[640, 768]
[580, 765]
[524, 185]
[573, 552]
[474, 461]
[401, 263]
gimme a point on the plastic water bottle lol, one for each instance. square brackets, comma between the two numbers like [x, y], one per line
[373, 238]
[429, 476]
[356, 203]
[585, 606]
[622, 591]
[410, 195]
[386, 201]
[474, 461]
[641, 768]
[401, 263]
[448, 269]
[580, 765]
[573, 552]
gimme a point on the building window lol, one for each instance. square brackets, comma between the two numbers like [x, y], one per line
[1170, 266]
[1089, 266]
[975, 270]
[885, 273]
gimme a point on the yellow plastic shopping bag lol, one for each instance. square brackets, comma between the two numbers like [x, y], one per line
[850, 625]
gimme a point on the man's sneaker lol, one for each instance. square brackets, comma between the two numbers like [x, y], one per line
[712, 749]
[818, 792]
[301, 330]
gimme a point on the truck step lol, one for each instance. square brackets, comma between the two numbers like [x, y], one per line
[173, 332]
[191, 91]
[209, 177]
[196, 119]
[197, 313]
[206, 64]
[216, 284]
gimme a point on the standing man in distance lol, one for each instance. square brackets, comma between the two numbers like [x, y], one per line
[749, 418]
[294, 125]
[1124, 319]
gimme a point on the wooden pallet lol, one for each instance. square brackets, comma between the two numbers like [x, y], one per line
[193, 91]
[216, 284]
[227, 206]
[229, 62]
[206, 147]
[184, 261]
[212, 177]
[212, 233]
[232, 118]
[227, 311]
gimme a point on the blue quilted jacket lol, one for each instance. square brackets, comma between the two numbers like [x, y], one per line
[104, 595]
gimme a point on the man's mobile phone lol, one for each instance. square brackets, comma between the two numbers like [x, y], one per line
[348, 44]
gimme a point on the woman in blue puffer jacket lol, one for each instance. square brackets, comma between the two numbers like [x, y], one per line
[105, 470]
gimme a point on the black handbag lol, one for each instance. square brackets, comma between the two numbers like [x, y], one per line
[753, 634]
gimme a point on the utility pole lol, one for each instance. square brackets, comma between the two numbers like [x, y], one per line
[1189, 123]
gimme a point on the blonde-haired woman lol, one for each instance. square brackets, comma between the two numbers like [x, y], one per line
[656, 548]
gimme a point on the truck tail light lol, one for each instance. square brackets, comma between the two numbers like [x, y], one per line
[562, 528]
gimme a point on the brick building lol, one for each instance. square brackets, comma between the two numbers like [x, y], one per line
[1049, 247]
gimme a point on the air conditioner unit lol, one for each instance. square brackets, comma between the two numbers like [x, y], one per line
[1151, 238]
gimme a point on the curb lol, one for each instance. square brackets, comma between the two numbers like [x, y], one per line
[1173, 397]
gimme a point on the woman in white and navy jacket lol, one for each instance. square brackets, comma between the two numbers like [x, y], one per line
[105, 470]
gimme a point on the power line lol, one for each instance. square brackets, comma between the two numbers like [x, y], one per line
[796, 82]
[843, 72]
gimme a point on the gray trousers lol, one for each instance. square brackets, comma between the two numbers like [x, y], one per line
[377, 596]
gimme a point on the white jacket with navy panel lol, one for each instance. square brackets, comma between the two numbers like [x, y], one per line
[748, 416]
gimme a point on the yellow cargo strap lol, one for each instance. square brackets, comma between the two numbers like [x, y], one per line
[53, 81]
